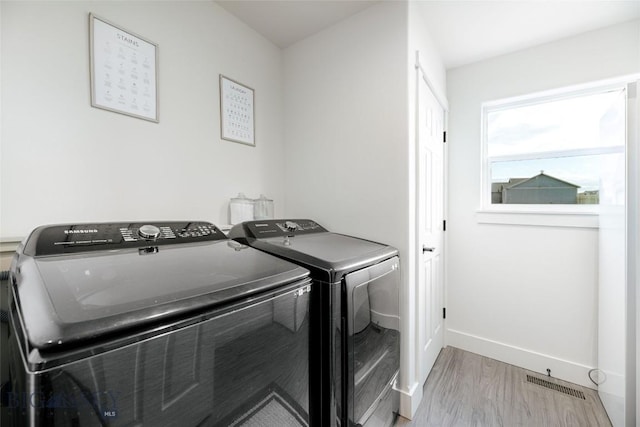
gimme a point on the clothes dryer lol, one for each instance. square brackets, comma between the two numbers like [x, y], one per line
[355, 338]
[156, 324]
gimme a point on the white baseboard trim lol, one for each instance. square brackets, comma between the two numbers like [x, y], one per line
[410, 400]
[538, 362]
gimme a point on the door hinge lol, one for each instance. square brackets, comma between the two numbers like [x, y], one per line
[444, 312]
[444, 137]
[444, 225]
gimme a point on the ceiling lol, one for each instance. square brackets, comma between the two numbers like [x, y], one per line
[285, 22]
[463, 31]
[470, 31]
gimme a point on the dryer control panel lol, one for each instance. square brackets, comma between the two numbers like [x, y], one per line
[276, 227]
[74, 238]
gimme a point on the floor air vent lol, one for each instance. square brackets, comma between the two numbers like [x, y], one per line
[556, 387]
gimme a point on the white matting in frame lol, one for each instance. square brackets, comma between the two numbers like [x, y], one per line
[236, 112]
[124, 74]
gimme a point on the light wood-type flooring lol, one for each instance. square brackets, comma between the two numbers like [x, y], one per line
[465, 389]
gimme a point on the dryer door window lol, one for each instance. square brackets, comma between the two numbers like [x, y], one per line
[372, 336]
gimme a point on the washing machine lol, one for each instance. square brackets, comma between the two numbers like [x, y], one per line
[355, 338]
[156, 324]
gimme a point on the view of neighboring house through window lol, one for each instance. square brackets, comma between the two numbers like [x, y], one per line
[553, 149]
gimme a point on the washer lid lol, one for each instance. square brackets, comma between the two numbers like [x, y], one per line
[66, 299]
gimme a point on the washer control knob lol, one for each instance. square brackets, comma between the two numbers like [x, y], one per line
[291, 226]
[149, 232]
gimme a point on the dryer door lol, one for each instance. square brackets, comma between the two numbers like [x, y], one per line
[372, 339]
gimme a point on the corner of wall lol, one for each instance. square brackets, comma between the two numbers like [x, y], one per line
[410, 400]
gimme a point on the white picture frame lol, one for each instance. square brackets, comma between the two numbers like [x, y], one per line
[124, 72]
[237, 107]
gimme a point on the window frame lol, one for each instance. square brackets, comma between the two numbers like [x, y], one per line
[540, 214]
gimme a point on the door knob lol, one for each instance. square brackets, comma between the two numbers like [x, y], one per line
[427, 249]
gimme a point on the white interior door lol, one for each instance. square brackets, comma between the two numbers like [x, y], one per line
[430, 215]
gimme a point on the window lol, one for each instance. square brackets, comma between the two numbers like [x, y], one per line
[549, 152]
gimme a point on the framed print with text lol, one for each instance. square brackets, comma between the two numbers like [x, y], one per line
[236, 112]
[124, 73]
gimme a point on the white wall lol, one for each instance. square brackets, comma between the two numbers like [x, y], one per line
[63, 160]
[634, 256]
[346, 125]
[634, 208]
[523, 294]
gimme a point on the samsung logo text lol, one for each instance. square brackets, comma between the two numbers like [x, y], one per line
[80, 231]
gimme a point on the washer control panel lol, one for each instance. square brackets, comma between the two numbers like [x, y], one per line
[74, 238]
[281, 227]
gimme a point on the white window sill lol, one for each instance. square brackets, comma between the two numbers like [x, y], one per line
[576, 219]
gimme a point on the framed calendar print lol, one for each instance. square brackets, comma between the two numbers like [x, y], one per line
[237, 120]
